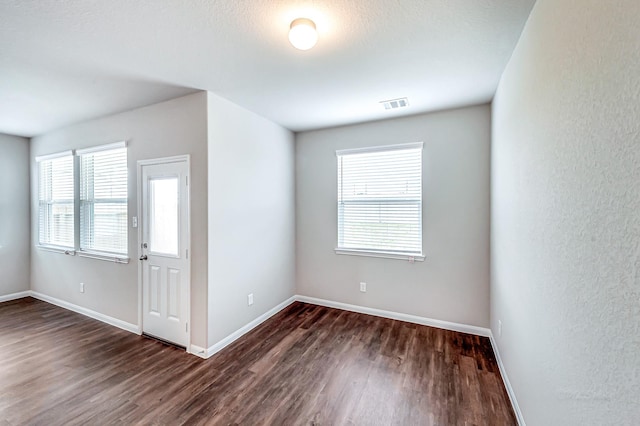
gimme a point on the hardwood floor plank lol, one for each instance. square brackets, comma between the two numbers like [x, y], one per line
[306, 365]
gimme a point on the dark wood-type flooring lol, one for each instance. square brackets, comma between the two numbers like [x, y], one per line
[306, 365]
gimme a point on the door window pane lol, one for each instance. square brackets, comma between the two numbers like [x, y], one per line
[164, 217]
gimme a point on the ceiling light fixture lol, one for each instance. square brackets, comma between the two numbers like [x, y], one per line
[303, 34]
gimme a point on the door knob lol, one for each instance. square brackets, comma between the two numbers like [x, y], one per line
[143, 257]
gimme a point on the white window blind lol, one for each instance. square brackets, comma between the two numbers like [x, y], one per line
[56, 200]
[380, 199]
[103, 199]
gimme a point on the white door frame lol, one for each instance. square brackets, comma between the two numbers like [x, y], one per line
[151, 162]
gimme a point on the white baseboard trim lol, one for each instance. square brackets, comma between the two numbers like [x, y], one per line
[462, 328]
[507, 383]
[217, 347]
[133, 328]
[15, 296]
[198, 351]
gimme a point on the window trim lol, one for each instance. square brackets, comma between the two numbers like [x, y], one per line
[381, 254]
[94, 253]
[57, 249]
[397, 147]
[385, 254]
[99, 148]
[68, 250]
[55, 155]
[103, 255]
[76, 250]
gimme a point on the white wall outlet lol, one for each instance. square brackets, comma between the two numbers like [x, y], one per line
[250, 299]
[81, 287]
[363, 287]
[134, 222]
[499, 328]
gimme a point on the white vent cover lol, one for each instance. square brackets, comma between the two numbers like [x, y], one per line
[395, 103]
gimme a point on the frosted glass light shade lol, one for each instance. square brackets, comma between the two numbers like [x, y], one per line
[303, 34]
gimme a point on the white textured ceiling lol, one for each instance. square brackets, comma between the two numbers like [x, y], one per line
[66, 61]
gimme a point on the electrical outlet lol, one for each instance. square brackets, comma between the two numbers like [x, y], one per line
[363, 287]
[81, 287]
[250, 299]
[499, 328]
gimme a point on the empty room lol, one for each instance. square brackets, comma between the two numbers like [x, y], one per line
[297, 212]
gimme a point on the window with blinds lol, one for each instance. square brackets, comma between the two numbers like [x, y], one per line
[103, 199]
[56, 200]
[380, 200]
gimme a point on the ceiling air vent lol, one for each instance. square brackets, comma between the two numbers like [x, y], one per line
[395, 103]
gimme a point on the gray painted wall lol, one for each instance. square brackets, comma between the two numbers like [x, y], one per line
[452, 284]
[170, 128]
[566, 214]
[251, 216]
[14, 214]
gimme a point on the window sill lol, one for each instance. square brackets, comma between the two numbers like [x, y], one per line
[381, 254]
[108, 257]
[57, 249]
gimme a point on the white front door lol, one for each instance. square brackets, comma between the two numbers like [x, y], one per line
[164, 249]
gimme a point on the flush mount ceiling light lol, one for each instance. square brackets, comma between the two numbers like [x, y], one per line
[303, 34]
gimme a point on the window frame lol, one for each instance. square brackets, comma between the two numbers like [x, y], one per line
[381, 253]
[69, 250]
[76, 250]
[96, 253]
